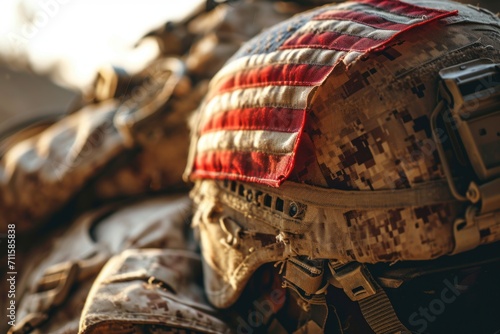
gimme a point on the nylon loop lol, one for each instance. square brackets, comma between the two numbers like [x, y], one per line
[429, 193]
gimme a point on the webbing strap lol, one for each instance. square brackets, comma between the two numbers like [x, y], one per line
[360, 286]
[380, 315]
[428, 193]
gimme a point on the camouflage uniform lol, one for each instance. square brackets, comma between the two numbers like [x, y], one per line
[124, 143]
[133, 266]
[321, 148]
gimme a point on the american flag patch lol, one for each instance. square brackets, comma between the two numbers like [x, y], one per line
[250, 124]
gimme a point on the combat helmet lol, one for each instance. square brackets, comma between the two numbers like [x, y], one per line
[353, 134]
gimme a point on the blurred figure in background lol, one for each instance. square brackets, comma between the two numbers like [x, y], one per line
[121, 147]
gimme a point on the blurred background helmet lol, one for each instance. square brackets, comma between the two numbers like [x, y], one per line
[352, 134]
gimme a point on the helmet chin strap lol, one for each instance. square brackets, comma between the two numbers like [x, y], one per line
[470, 92]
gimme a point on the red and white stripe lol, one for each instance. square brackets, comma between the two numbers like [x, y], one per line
[253, 116]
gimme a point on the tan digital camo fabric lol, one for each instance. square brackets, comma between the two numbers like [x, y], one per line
[370, 124]
[89, 242]
[161, 288]
[39, 175]
[87, 153]
[368, 129]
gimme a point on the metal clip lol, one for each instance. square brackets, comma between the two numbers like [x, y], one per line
[354, 279]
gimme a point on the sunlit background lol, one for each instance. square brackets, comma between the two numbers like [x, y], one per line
[72, 38]
[68, 40]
